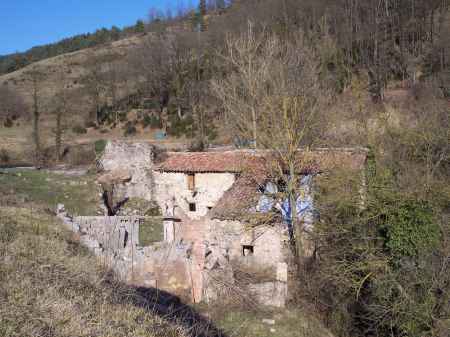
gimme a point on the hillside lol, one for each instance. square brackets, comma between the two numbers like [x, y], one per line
[273, 76]
[51, 285]
[68, 71]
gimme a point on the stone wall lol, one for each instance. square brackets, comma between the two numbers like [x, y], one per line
[196, 265]
[137, 160]
[173, 267]
[172, 188]
[197, 251]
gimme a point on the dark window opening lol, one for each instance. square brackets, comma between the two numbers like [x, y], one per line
[281, 184]
[247, 250]
[191, 181]
[192, 207]
[209, 208]
[125, 239]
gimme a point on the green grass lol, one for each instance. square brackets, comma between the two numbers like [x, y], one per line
[78, 194]
[151, 231]
[247, 323]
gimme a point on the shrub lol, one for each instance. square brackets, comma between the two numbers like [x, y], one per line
[99, 146]
[153, 121]
[4, 156]
[181, 126]
[105, 114]
[90, 124]
[122, 116]
[151, 104]
[8, 123]
[78, 129]
[411, 229]
[129, 129]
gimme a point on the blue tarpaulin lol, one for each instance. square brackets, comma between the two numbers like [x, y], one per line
[304, 203]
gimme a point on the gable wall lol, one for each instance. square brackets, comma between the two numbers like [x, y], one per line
[209, 188]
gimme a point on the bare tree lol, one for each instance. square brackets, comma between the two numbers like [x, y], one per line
[36, 79]
[273, 97]
[95, 89]
[61, 107]
[12, 105]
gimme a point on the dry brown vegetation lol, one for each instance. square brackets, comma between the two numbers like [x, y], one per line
[50, 286]
[381, 269]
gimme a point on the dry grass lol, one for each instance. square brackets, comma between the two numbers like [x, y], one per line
[240, 322]
[50, 286]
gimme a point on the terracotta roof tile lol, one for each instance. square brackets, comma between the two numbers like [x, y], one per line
[237, 201]
[227, 161]
[259, 162]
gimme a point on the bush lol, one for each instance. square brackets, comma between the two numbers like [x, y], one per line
[151, 104]
[181, 126]
[99, 146]
[90, 124]
[153, 121]
[411, 229]
[78, 129]
[8, 123]
[4, 156]
[129, 129]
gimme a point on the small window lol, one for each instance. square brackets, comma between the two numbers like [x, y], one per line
[191, 181]
[247, 250]
[192, 207]
[209, 208]
[125, 239]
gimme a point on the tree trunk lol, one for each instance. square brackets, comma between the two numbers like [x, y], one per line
[36, 118]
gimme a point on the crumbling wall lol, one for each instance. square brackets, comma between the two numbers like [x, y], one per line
[172, 267]
[209, 188]
[269, 244]
[137, 160]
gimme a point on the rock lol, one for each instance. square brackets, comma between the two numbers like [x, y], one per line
[273, 330]
[60, 208]
[117, 176]
[268, 321]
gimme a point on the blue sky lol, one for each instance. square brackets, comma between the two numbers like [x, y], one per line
[27, 23]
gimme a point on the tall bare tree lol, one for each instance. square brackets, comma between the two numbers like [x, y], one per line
[36, 79]
[60, 108]
[273, 96]
[12, 105]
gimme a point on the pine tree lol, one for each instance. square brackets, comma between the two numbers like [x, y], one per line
[139, 27]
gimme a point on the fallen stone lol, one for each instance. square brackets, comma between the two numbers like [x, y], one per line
[117, 176]
[268, 321]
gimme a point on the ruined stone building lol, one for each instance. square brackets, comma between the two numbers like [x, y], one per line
[213, 244]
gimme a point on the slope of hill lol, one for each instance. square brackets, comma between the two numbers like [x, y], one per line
[63, 291]
[68, 71]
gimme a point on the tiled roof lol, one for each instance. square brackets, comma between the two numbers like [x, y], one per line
[237, 201]
[259, 162]
[227, 161]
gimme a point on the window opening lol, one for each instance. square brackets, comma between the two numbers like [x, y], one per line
[192, 207]
[247, 250]
[125, 239]
[191, 181]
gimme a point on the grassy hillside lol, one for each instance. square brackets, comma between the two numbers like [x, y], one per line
[68, 71]
[50, 286]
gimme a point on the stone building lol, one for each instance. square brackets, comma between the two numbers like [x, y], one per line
[213, 203]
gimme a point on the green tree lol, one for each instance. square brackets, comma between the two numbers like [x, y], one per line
[139, 27]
